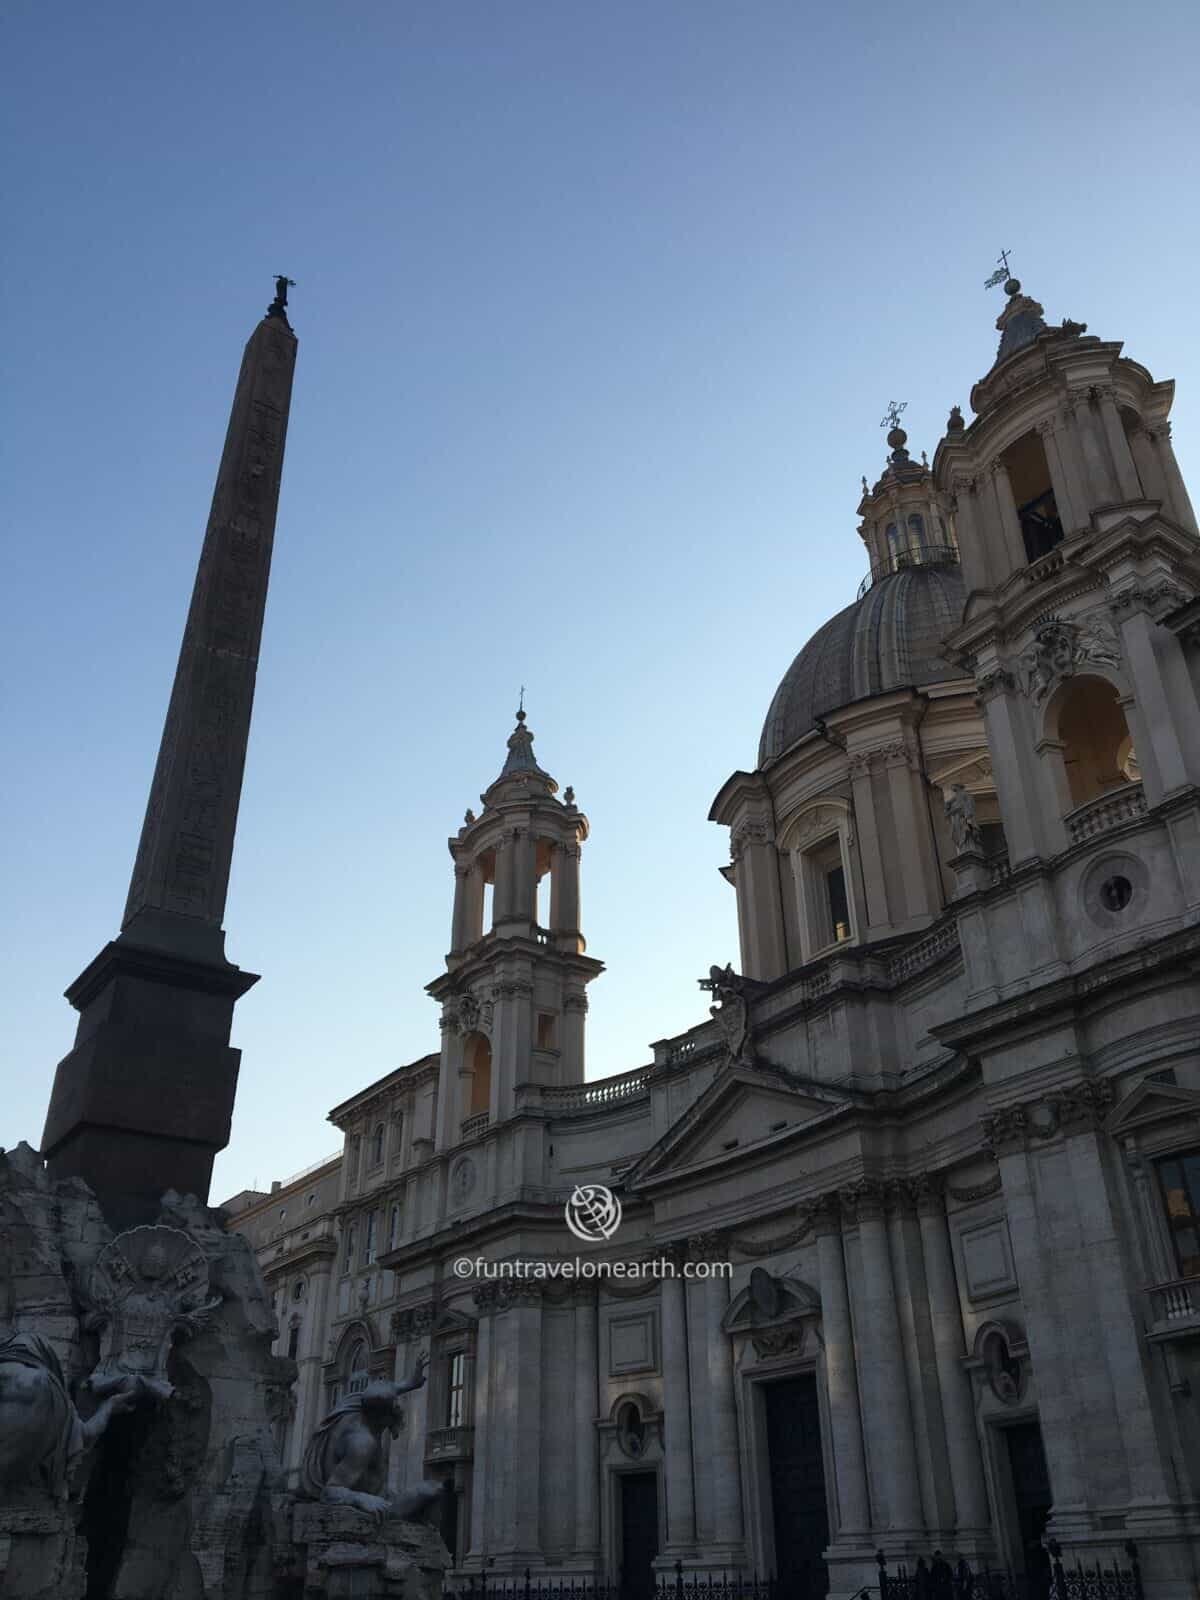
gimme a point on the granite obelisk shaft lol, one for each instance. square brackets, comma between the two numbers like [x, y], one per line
[144, 1100]
[181, 873]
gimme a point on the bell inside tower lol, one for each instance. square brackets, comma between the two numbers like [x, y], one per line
[1033, 493]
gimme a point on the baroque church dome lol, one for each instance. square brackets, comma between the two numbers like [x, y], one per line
[888, 639]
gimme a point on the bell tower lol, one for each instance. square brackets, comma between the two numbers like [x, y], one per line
[514, 993]
[1081, 563]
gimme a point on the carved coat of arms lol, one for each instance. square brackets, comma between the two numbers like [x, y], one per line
[147, 1286]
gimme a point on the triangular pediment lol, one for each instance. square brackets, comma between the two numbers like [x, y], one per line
[1151, 1104]
[744, 1108]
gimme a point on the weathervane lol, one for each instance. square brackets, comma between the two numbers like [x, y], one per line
[891, 417]
[1001, 272]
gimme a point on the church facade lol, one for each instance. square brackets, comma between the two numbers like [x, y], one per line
[940, 1136]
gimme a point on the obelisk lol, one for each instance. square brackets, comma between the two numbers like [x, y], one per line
[144, 1100]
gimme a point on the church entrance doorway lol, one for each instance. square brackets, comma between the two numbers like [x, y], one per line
[1031, 1495]
[639, 1534]
[799, 1513]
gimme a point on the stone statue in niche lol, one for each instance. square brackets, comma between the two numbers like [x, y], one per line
[1003, 1371]
[631, 1431]
[147, 1286]
[960, 813]
[732, 1015]
[344, 1463]
[41, 1433]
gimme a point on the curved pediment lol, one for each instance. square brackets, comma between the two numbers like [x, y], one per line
[768, 1301]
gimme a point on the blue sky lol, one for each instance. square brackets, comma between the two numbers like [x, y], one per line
[599, 307]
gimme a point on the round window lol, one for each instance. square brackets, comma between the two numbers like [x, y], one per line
[1116, 892]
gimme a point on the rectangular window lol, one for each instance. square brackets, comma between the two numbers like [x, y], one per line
[394, 1227]
[456, 1393]
[293, 1341]
[348, 1253]
[1180, 1180]
[370, 1243]
[826, 893]
[545, 1030]
[839, 906]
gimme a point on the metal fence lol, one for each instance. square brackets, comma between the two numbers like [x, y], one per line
[936, 1579]
[929, 1579]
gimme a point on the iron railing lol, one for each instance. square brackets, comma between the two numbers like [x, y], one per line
[936, 1579]
[911, 555]
[929, 1579]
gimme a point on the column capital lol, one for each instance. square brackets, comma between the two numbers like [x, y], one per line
[712, 1245]
[928, 1190]
[825, 1213]
[505, 1294]
[412, 1322]
[864, 1201]
[996, 681]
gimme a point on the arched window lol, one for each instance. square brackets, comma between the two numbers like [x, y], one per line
[916, 530]
[357, 1378]
[819, 842]
[477, 1058]
[895, 543]
[377, 1139]
[293, 1340]
[1033, 493]
[298, 1289]
[1097, 750]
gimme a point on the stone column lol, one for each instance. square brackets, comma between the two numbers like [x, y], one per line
[564, 892]
[1071, 512]
[459, 937]
[1053, 1362]
[882, 1368]
[574, 1024]
[517, 1332]
[962, 1441]
[1181, 505]
[1100, 486]
[1160, 704]
[1149, 467]
[918, 870]
[841, 1376]
[504, 890]
[677, 1421]
[1026, 817]
[1008, 523]
[1118, 446]
[752, 846]
[870, 852]
[1146, 1456]
[587, 1460]
[725, 1462]
[481, 1466]
[972, 544]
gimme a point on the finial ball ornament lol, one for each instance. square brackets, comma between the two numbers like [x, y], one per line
[897, 438]
[1013, 286]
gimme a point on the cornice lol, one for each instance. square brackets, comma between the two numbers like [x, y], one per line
[1066, 997]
